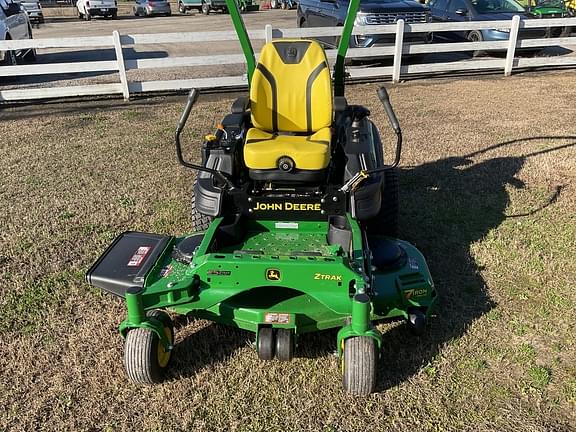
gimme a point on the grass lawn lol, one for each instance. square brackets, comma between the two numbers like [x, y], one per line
[488, 190]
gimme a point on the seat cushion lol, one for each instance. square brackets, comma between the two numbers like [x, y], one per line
[309, 152]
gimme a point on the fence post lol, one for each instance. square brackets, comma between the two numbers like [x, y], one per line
[121, 65]
[398, 48]
[512, 45]
[268, 32]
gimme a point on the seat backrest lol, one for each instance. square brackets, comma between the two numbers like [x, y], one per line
[291, 89]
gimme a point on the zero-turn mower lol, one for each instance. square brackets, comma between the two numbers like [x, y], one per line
[295, 215]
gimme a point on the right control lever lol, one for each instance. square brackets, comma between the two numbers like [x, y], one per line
[385, 99]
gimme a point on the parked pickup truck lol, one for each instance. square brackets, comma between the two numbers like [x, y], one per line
[34, 11]
[332, 13]
[89, 8]
[206, 6]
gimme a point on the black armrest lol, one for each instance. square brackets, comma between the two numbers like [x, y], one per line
[340, 103]
[241, 105]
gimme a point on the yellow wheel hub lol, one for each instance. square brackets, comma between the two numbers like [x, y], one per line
[163, 354]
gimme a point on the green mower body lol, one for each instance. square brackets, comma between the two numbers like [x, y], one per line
[303, 245]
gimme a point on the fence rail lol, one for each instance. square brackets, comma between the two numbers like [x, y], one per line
[398, 50]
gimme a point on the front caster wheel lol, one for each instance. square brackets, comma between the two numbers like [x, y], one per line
[284, 344]
[417, 322]
[145, 358]
[359, 365]
[266, 342]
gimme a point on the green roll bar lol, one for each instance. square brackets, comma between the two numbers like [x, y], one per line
[243, 37]
[343, 45]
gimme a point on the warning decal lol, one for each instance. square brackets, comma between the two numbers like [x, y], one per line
[139, 256]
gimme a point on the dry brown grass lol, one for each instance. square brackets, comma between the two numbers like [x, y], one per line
[499, 355]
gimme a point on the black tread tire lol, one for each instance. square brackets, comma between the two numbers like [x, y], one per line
[30, 56]
[181, 8]
[10, 59]
[475, 36]
[266, 342]
[359, 365]
[205, 8]
[386, 221]
[141, 352]
[284, 344]
[200, 222]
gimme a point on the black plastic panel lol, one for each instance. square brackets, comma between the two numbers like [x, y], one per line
[127, 261]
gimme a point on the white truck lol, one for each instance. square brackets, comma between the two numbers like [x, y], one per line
[14, 25]
[104, 8]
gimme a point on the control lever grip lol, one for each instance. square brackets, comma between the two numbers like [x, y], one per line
[192, 98]
[385, 99]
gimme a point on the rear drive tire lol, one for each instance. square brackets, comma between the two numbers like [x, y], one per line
[359, 365]
[200, 222]
[181, 8]
[386, 221]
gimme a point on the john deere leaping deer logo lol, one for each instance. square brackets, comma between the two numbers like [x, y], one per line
[273, 274]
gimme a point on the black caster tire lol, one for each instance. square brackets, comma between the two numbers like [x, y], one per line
[266, 342]
[359, 362]
[284, 344]
[417, 322]
[200, 222]
[145, 359]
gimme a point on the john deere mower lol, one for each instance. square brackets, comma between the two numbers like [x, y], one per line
[295, 214]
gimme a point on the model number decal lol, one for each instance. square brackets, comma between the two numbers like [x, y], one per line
[219, 272]
[321, 276]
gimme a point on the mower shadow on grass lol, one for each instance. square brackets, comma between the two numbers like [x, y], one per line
[447, 206]
[211, 344]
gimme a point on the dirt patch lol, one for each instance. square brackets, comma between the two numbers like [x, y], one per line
[488, 190]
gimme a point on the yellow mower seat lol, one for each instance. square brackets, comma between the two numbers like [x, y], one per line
[291, 108]
[264, 149]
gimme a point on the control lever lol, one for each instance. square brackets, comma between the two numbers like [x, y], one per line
[192, 98]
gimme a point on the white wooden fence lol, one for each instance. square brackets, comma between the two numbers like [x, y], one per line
[125, 87]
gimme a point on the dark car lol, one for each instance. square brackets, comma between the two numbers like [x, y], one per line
[332, 13]
[481, 10]
[152, 7]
